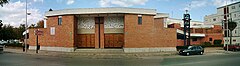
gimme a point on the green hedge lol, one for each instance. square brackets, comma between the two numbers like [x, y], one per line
[14, 45]
[204, 44]
[217, 42]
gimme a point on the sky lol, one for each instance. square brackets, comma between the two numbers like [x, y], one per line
[14, 13]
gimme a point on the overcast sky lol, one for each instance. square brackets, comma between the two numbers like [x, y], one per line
[13, 13]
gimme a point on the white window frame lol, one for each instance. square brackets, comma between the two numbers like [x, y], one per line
[52, 30]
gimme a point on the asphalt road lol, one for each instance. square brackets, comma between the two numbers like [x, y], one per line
[12, 59]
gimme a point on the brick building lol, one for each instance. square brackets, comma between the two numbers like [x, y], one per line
[199, 33]
[130, 29]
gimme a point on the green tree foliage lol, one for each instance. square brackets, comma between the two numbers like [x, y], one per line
[217, 42]
[9, 32]
[3, 2]
[40, 24]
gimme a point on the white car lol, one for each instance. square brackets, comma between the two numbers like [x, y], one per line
[3, 42]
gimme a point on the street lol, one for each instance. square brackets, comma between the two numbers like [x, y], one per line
[14, 59]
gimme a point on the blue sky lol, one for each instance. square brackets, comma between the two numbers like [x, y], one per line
[197, 8]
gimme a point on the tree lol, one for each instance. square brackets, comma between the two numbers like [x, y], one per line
[40, 24]
[19, 31]
[3, 2]
[7, 32]
[32, 26]
[1, 24]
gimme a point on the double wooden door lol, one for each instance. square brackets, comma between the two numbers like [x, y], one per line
[100, 39]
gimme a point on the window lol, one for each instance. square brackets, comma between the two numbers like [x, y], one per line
[234, 40]
[52, 31]
[235, 31]
[233, 7]
[139, 19]
[194, 39]
[210, 39]
[59, 20]
[214, 19]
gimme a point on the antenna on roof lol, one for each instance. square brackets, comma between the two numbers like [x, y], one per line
[50, 9]
[189, 7]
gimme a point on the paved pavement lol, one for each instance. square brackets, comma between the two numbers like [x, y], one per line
[110, 55]
[20, 59]
[106, 55]
[203, 60]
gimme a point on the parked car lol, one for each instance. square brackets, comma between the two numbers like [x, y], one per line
[232, 47]
[190, 50]
[1, 48]
[3, 42]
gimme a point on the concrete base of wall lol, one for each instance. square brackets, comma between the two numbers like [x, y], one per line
[64, 49]
[159, 49]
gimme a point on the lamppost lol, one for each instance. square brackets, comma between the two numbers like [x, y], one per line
[26, 28]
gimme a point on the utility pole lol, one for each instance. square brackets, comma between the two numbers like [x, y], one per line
[25, 44]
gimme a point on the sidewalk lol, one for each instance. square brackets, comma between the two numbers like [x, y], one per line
[111, 55]
[104, 55]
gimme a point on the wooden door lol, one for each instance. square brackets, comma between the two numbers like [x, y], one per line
[114, 40]
[99, 32]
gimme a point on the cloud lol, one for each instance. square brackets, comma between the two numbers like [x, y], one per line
[196, 4]
[220, 3]
[14, 14]
[38, 1]
[70, 2]
[122, 3]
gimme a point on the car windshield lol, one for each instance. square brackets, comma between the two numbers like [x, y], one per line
[189, 47]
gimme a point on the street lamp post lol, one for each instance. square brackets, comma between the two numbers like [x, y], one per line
[26, 28]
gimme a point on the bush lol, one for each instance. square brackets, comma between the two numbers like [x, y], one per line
[14, 44]
[208, 44]
[217, 42]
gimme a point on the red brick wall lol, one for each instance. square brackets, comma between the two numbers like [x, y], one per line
[64, 34]
[215, 33]
[150, 34]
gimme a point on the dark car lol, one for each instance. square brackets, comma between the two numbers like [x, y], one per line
[190, 50]
[232, 47]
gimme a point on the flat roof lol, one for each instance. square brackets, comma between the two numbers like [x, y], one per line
[228, 5]
[109, 10]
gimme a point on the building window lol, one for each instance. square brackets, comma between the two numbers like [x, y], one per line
[194, 39]
[210, 39]
[52, 31]
[59, 20]
[235, 31]
[139, 19]
[234, 40]
[214, 19]
[233, 7]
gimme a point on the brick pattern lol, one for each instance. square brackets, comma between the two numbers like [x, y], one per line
[64, 34]
[149, 34]
[215, 33]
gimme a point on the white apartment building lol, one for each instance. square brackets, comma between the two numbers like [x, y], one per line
[230, 11]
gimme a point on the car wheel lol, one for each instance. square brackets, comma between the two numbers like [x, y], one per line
[187, 54]
[201, 53]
